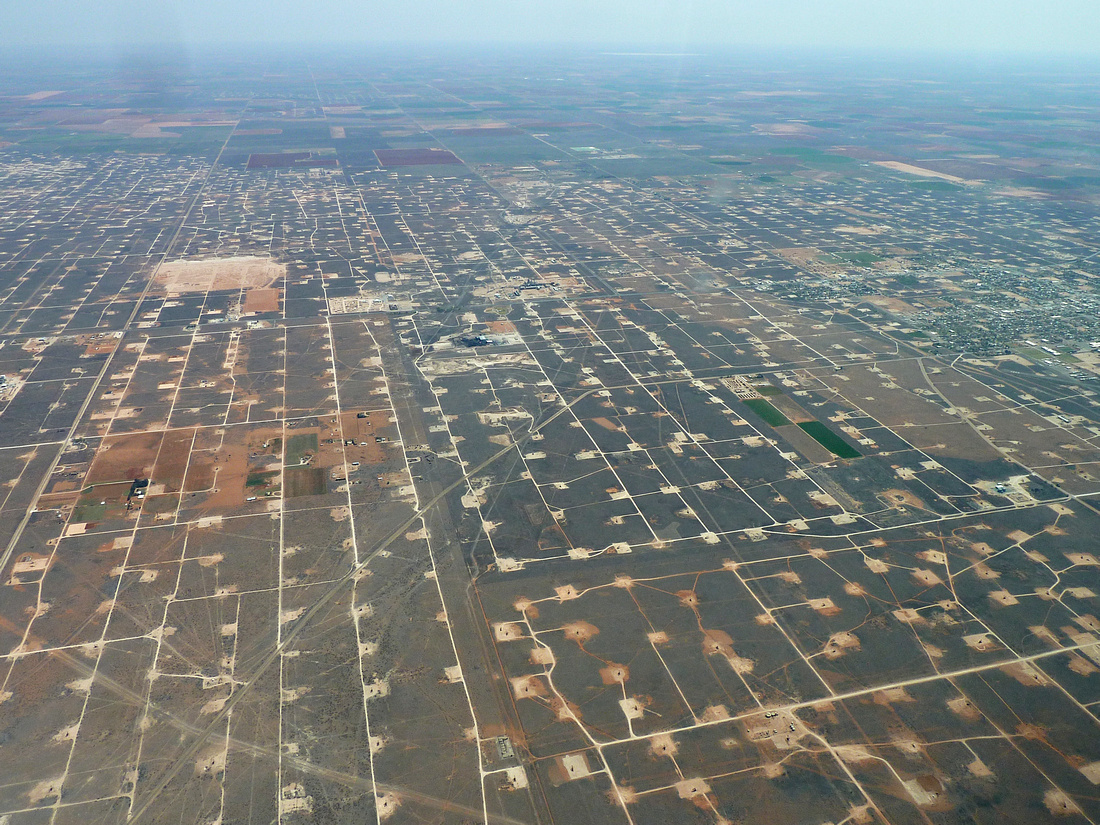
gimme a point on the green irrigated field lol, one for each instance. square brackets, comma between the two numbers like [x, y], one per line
[767, 411]
[300, 445]
[829, 440]
[863, 258]
[260, 479]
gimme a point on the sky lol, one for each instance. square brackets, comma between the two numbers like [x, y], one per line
[1053, 27]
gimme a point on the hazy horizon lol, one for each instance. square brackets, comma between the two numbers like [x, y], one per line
[978, 27]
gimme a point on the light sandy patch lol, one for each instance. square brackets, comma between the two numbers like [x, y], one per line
[800, 255]
[910, 169]
[632, 708]
[964, 708]
[839, 644]
[1059, 804]
[541, 656]
[792, 93]
[692, 788]
[715, 713]
[1021, 192]
[242, 272]
[783, 128]
[663, 745]
[1092, 772]
[891, 304]
[570, 767]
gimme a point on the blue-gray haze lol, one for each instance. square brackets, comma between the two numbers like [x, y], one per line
[1065, 27]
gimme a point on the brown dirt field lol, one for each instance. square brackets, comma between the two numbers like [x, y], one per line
[57, 499]
[304, 481]
[790, 408]
[891, 304]
[231, 463]
[200, 475]
[800, 255]
[172, 462]
[62, 487]
[124, 457]
[98, 345]
[211, 274]
[501, 327]
[606, 424]
[262, 300]
[364, 430]
[805, 444]
[232, 472]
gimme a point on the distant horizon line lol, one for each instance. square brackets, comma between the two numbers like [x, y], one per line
[626, 49]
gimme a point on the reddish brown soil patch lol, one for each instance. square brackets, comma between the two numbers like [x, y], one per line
[232, 464]
[232, 467]
[717, 642]
[58, 498]
[124, 458]
[262, 300]
[97, 344]
[364, 431]
[529, 687]
[200, 475]
[688, 598]
[172, 462]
